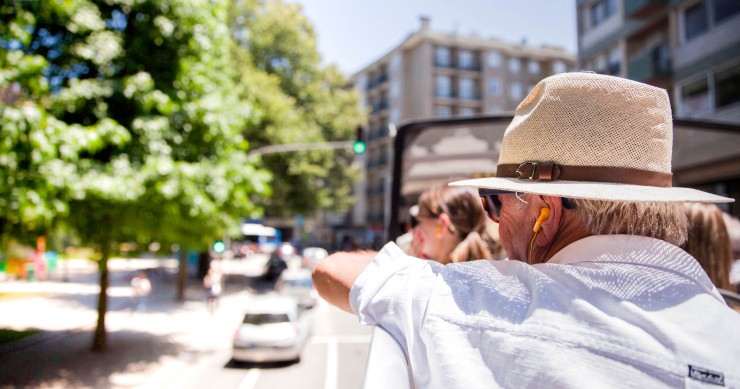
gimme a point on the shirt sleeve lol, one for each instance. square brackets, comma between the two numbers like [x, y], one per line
[393, 291]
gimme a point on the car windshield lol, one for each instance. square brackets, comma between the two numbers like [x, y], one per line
[266, 318]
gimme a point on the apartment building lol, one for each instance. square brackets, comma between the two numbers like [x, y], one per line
[437, 75]
[690, 48]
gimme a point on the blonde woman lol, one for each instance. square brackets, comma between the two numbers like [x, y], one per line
[453, 227]
[709, 242]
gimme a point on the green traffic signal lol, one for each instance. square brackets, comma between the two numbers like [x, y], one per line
[359, 147]
[219, 247]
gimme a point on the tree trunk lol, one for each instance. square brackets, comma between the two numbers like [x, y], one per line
[99, 341]
[182, 274]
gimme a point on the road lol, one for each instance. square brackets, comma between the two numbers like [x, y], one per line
[169, 345]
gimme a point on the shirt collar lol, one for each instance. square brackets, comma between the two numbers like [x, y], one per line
[614, 248]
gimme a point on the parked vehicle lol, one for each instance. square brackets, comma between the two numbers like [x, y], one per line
[274, 329]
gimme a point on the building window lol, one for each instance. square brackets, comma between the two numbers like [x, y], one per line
[614, 59]
[495, 109]
[442, 86]
[467, 111]
[534, 67]
[724, 9]
[442, 111]
[727, 86]
[494, 59]
[558, 67]
[602, 10]
[494, 87]
[704, 15]
[466, 60]
[696, 20]
[467, 88]
[514, 65]
[695, 97]
[442, 57]
[516, 91]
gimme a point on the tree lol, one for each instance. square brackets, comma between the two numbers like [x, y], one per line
[129, 124]
[300, 101]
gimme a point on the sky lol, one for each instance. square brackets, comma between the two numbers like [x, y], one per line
[354, 33]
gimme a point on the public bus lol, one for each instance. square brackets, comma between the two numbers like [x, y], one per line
[255, 238]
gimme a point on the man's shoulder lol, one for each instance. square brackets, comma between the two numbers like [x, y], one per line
[620, 248]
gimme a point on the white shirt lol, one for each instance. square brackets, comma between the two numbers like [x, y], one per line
[606, 311]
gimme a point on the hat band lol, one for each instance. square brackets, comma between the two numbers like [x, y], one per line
[550, 171]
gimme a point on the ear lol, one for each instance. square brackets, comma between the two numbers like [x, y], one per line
[446, 223]
[551, 225]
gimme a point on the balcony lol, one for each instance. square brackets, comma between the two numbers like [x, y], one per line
[642, 9]
[651, 66]
[470, 67]
[379, 106]
[377, 81]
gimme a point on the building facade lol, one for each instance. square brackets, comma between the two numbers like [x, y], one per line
[691, 48]
[437, 75]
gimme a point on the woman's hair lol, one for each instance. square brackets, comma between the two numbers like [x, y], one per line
[660, 220]
[478, 234]
[709, 242]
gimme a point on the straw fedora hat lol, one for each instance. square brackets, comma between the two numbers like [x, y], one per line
[590, 136]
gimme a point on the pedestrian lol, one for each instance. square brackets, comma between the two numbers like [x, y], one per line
[596, 293]
[140, 289]
[709, 242]
[453, 227]
[213, 284]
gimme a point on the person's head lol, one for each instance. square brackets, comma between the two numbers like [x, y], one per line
[586, 154]
[709, 242]
[453, 227]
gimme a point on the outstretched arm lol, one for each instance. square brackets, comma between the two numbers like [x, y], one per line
[334, 276]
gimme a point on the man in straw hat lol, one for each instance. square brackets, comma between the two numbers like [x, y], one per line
[596, 294]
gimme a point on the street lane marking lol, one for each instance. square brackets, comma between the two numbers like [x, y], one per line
[330, 382]
[250, 380]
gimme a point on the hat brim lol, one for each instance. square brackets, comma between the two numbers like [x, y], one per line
[594, 190]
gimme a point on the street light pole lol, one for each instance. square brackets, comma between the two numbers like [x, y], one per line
[284, 148]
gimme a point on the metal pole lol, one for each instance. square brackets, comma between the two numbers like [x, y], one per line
[284, 148]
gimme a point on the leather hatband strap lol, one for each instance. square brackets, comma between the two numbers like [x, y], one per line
[550, 171]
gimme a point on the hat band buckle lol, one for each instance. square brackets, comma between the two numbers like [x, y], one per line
[551, 171]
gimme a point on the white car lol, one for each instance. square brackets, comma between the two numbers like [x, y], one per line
[273, 330]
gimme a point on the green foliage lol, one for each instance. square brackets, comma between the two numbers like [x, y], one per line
[298, 100]
[122, 120]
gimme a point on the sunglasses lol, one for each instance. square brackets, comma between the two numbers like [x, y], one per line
[491, 203]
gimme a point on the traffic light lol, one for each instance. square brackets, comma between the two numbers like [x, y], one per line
[219, 246]
[359, 146]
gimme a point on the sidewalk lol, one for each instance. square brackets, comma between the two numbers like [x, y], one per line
[144, 348]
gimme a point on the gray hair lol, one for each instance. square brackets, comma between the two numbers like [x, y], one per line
[666, 221]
